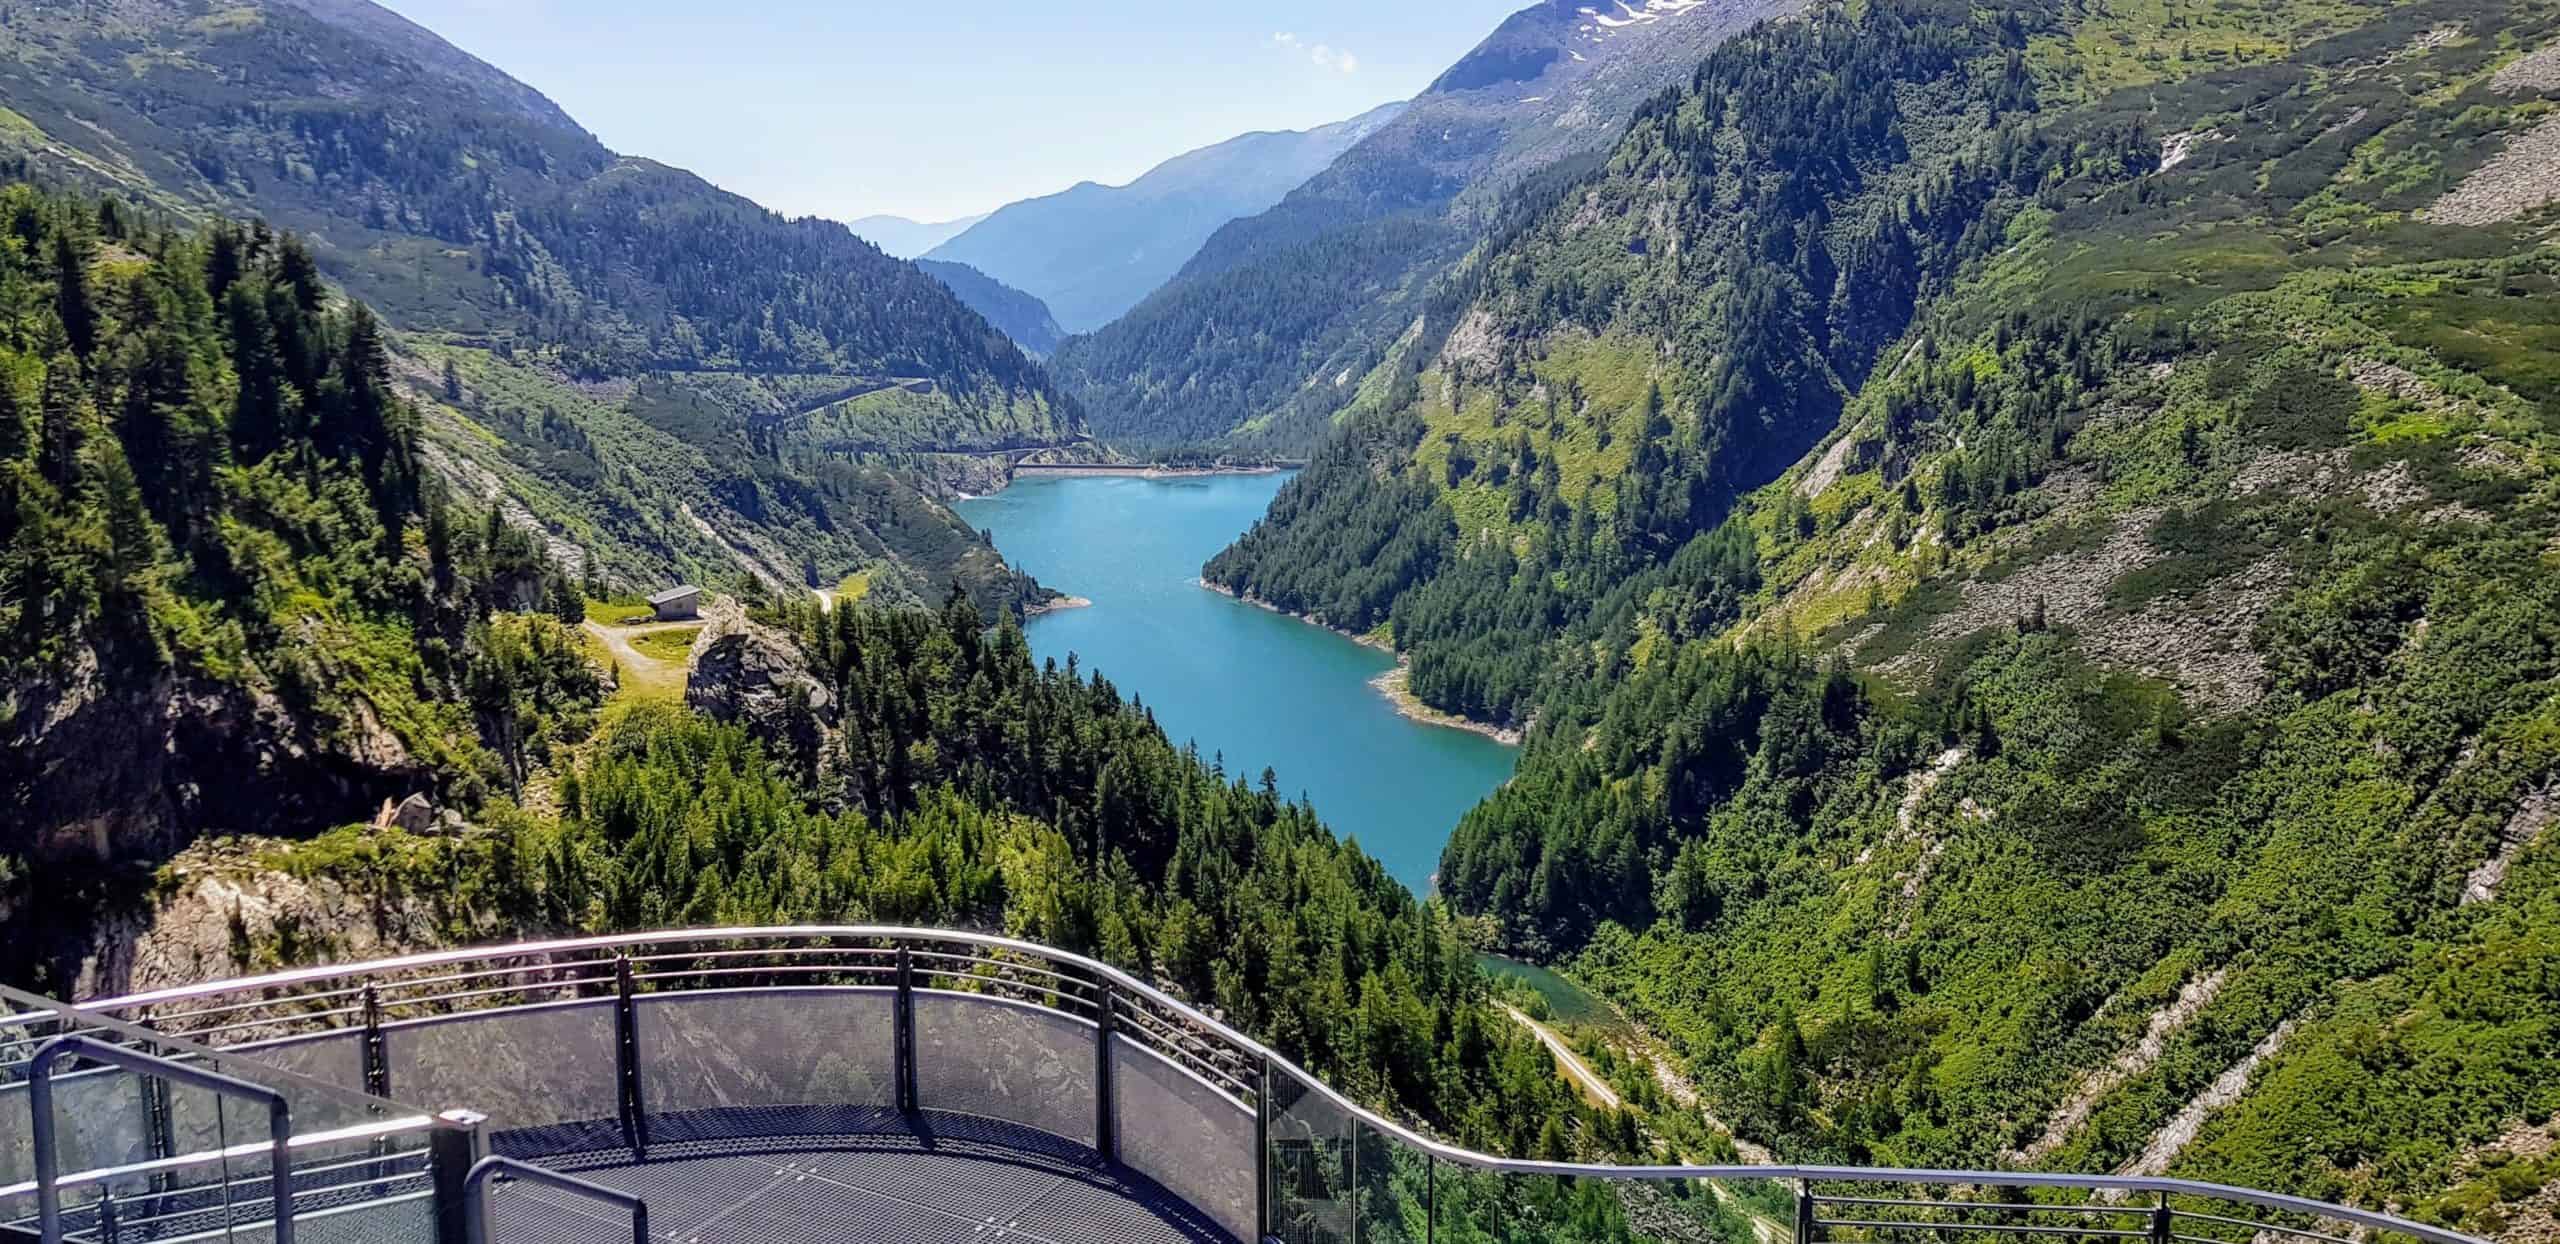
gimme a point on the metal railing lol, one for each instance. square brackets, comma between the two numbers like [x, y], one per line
[40, 1108]
[648, 1040]
[112, 1133]
[476, 1201]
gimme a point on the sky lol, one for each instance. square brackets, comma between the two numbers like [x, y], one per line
[933, 111]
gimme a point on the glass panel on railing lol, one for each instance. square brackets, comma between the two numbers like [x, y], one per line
[545, 1075]
[1311, 1155]
[1186, 1131]
[145, 1155]
[1012, 1062]
[800, 1062]
[1394, 1182]
[217, 1183]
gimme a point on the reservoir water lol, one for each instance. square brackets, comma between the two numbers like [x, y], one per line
[1246, 684]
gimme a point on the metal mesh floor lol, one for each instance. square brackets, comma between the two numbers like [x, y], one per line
[930, 1180]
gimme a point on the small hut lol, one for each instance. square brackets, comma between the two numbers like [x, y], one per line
[678, 604]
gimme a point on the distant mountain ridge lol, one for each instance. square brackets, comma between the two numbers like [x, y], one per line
[906, 239]
[1093, 251]
[1022, 317]
[1265, 335]
[571, 357]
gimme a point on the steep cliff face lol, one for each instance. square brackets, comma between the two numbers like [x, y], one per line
[102, 767]
[231, 908]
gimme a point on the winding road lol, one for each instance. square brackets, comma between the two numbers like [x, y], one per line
[1580, 1072]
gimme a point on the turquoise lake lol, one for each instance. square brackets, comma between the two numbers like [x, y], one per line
[1246, 684]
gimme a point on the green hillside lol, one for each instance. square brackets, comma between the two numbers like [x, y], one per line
[1259, 343]
[491, 231]
[2029, 541]
[225, 563]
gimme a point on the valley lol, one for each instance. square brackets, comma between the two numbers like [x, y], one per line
[1897, 583]
[1250, 689]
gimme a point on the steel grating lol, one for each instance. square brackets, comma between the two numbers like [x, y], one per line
[931, 1179]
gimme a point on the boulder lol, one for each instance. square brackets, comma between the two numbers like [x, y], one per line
[414, 814]
[745, 673]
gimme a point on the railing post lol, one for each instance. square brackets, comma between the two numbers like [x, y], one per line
[1351, 1164]
[2163, 1220]
[1262, 1148]
[377, 1066]
[626, 1059]
[1804, 1212]
[1106, 1115]
[374, 1066]
[106, 1217]
[451, 1153]
[905, 1035]
[159, 1120]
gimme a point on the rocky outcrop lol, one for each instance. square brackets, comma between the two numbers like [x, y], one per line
[2165, 1023]
[224, 911]
[96, 766]
[2174, 1136]
[2525, 828]
[745, 673]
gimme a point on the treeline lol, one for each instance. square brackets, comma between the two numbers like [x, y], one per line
[221, 553]
[197, 443]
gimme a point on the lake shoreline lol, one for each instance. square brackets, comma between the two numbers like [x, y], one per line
[1139, 471]
[1060, 604]
[1395, 684]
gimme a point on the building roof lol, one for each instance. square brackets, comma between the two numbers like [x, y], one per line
[674, 594]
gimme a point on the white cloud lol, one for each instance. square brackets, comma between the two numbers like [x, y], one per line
[1324, 55]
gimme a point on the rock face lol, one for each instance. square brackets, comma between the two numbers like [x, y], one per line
[745, 673]
[94, 766]
[225, 914]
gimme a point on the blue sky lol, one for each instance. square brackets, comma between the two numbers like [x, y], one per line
[844, 108]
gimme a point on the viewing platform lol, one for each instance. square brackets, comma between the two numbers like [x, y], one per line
[858, 1085]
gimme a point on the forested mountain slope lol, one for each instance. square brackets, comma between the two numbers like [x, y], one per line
[1265, 334]
[2030, 540]
[922, 770]
[231, 592]
[1092, 251]
[508, 245]
[1014, 312]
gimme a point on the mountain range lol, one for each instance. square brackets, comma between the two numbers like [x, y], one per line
[1265, 333]
[1091, 252]
[2025, 541]
[902, 238]
[548, 293]
[1014, 312]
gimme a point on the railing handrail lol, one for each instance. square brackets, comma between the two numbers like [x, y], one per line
[382, 1130]
[2152, 1184]
[40, 1113]
[186, 1050]
[476, 1208]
